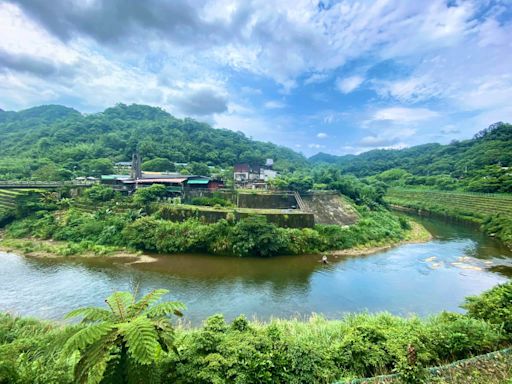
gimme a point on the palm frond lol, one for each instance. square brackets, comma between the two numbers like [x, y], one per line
[119, 303]
[86, 337]
[91, 314]
[94, 360]
[165, 309]
[149, 299]
[141, 339]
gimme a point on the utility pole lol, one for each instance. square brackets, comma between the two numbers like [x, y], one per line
[136, 172]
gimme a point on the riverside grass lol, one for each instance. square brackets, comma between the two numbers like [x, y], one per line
[312, 350]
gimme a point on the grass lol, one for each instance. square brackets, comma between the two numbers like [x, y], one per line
[50, 249]
[469, 206]
[491, 368]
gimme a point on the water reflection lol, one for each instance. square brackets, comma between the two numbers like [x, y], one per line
[420, 278]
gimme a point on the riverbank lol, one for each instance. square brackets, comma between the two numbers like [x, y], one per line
[417, 234]
[492, 212]
[40, 248]
[51, 249]
[312, 350]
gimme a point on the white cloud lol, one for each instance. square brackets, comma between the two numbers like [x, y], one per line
[316, 78]
[316, 146]
[322, 135]
[404, 115]
[349, 84]
[274, 104]
[196, 60]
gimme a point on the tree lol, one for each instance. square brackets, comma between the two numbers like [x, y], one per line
[256, 237]
[199, 169]
[149, 194]
[52, 172]
[100, 193]
[98, 167]
[123, 341]
[158, 165]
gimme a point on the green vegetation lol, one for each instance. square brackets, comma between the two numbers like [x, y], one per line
[282, 351]
[362, 191]
[250, 236]
[57, 143]
[125, 342]
[494, 212]
[215, 200]
[479, 165]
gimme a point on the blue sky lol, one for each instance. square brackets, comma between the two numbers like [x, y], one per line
[332, 76]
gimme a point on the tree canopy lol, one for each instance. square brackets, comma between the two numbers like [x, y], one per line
[76, 144]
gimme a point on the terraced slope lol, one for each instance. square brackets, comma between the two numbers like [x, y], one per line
[8, 197]
[329, 208]
[470, 206]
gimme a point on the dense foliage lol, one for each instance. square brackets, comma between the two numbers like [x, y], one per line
[282, 351]
[481, 164]
[123, 344]
[362, 191]
[250, 236]
[57, 143]
[493, 212]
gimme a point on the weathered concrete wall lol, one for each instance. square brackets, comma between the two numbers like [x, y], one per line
[267, 201]
[256, 200]
[330, 208]
[282, 219]
[200, 192]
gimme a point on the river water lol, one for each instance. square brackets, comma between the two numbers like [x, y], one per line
[414, 278]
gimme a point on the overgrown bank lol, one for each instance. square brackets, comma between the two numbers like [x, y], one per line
[282, 351]
[492, 212]
[103, 232]
[101, 222]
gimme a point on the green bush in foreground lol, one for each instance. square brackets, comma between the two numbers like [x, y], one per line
[282, 351]
[494, 306]
[124, 342]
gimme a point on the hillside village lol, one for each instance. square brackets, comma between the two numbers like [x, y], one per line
[130, 177]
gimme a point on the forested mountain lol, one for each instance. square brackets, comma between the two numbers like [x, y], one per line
[56, 142]
[492, 146]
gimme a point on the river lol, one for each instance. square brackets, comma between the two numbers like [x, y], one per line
[413, 278]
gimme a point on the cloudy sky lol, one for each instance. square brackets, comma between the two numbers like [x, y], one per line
[332, 76]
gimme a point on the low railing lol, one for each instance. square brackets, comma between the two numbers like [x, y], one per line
[42, 184]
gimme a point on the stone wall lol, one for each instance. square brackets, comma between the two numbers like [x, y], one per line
[254, 200]
[292, 219]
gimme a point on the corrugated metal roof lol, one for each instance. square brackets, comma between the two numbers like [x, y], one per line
[151, 181]
[198, 181]
[113, 177]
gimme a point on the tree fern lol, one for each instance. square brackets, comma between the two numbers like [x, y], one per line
[132, 333]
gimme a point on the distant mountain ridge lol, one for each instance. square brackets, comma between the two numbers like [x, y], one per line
[54, 134]
[492, 146]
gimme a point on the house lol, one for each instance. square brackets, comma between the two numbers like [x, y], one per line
[175, 182]
[254, 176]
[246, 172]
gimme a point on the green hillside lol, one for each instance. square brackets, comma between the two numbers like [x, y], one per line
[56, 142]
[492, 146]
[481, 164]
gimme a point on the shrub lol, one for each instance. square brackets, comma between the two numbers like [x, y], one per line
[494, 306]
[211, 201]
[6, 216]
[100, 193]
[255, 236]
[146, 195]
